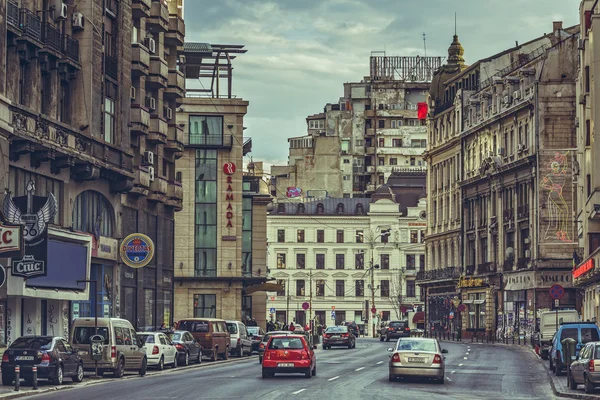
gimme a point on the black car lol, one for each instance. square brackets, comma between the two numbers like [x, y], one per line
[396, 329]
[353, 327]
[255, 333]
[53, 356]
[188, 348]
[338, 336]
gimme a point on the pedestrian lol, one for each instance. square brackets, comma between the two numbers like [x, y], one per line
[162, 326]
[292, 327]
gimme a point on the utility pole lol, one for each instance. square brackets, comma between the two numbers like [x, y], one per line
[373, 287]
[310, 322]
[287, 307]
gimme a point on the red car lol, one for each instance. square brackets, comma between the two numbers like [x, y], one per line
[289, 354]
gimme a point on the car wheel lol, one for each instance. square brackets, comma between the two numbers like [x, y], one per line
[144, 368]
[226, 354]
[79, 376]
[199, 358]
[349, 345]
[308, 374]
[186, 359]
[58, 376]
[174, 365]
[589, 386]
[557, 369]
[314, 371]
[572, 383]
[441, 381]
[7, 380]
[387, 339]
[391, 378]
[213, 356]
[266, 374]
[120, 370]
[161, 363]
[259, 359]
[381, 338]
[550, 364]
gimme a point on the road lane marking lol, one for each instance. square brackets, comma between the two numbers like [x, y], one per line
[460, 365]
[333, 379]
[465, 358]
[299, 391]
[358, 369]
[452, 372]
[449, 380]
[380, 362]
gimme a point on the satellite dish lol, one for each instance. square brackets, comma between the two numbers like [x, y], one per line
[509, 254]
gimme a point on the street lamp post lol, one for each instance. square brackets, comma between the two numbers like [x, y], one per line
[371, 241]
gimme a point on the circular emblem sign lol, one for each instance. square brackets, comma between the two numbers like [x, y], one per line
[229, 168]
[137, 250]
[305, 306]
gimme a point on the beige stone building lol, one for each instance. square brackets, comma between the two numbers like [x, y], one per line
[220, 235]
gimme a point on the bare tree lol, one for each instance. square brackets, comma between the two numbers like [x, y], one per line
[395, 294]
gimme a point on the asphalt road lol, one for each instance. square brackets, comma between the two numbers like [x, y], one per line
[473, 371]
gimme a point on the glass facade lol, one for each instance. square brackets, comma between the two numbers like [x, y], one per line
[205, 242]
[205, 306]
[206, 130]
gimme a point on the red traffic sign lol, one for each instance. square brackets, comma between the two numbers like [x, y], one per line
[557, 291]
[462, 308]
[373, 310]
[305, 306]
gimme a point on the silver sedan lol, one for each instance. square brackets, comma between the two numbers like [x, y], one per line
[417, 357]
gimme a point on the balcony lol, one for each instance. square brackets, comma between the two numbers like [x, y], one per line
[370, 150]
[159, 15]
[140, 59]
[31, 28]
[211, 141]
[158, 130]
[370, 187]
[140, 119]
[111, 66]
[358, 169]
[158, 190]
[176, 85]
[508, 265]
[370, 132]
[176, 33]
[369, 113]
[509, 215]
[486, 268]
[470, 270]
[140, 8]
[522, 263]
[159, 73]
[448, 273]
[370, 169]
[175, 191]
[71, 50]
[141, 182]
[52, 38]
[174, 138]
[12, 17]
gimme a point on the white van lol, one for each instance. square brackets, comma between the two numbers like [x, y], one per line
[241, 343]
[549, 325]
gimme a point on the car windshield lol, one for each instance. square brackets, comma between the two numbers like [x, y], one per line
[337, 329]
[232, 328]
[253, 330]
[286, 343]
[569, 333]
[34, 343]
[416, 345]
[194, 326]
[175, 336]
[146, 339]
[83, 334]
[589, 335]
[397, 324]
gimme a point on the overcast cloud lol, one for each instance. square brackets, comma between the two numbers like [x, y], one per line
[300, 52]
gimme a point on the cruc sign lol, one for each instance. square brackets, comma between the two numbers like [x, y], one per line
[229, 169]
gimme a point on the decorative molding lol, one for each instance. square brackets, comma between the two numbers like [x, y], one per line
[41, 129]
[19, 122]
[61, 137]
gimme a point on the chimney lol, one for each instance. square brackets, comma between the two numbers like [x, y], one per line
[556, 26]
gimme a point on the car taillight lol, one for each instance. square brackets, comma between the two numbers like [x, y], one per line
[262, 345]
[591, 366]
[45, 358]
[344, 335]
[238, 341]
[5, 357]
[304, 355]
[326, 335]
[390, 329]
[437, 359]
[155, 350]
[268, 355]
[179, 346]
[407, 329]
[113, 351]
[396, 357]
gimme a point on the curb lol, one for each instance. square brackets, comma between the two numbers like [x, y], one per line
[30, 392]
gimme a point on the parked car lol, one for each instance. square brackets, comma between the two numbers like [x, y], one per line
[212, 334]
[263, 344]
[417, 357]
[586, 368]
[289, 354]
[188, 348]
[395, 330]
[581, 332]
[52, 355]
[240, 342]
[353, 328]
[256, 333]
[159, 349]
[549, 325]
[338, 336]
[121, 349]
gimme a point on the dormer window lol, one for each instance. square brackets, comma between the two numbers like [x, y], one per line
[320, 209]
[281, 209]
[340, 208]
[300, 209]
[359, 209]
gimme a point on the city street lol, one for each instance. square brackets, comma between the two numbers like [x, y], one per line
[473, 371]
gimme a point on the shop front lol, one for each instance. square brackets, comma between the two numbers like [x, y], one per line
[476, 306]
[586, 277]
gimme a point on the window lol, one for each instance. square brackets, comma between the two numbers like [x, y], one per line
[300, 287]
[422, 262]
[381, 142]
[339, 234]
[412, 161]
[339, 261]
[280, 260]
[385, 236]
[206, 130]
[320, 209]
[316, 124]
[414, 236]
[385, 288]
[588, 133]
[320, 261]
[320, 236]
[410, 288]
[393, 124]
[410, 261]
[360, 238]
[359, 261]
[381, 160]
[422, 236]
[359, 288]
[205, 306]
[109, 120]
[280, 235]
[92, 212]
[300, 236]
[393, 161]
[64, 111]
[206, 213]
[346, 161]
[385, 261]
[320, 286]
[340, 208]
[281, 283]
[300, 261]
[360, 209]
[300, 209]
[476, 308]
[118, 336]
[339, 288]
[381, 123]
[385, 315]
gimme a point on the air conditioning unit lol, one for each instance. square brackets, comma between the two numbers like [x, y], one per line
[151, 45]
[132, 93]
[501, 151]
[78, 21]
[526, 240]
[168, 113]
[148, 158]
[151, 173]
[506, 99]
[60, 10]
[151, 103]
[527, 253]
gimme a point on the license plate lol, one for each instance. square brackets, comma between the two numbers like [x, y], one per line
[83, 352]
[285, 365]
[416, 359]
[24, 358]
[335, 337]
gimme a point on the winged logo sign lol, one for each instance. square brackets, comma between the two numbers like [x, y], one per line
[33, 213]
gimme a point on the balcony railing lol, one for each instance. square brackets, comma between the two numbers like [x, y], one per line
[486, 268]
[441, 273]
[470, 270]
[52, 37]
[111, 66]
[71, 48]
[509, 214]
[211, 140]
[508, 265]
[31, 25]
[12, 13]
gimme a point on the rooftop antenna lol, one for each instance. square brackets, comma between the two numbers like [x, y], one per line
[424, 44]
[454, 23]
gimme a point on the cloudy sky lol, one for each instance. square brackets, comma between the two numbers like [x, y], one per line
[300, 52]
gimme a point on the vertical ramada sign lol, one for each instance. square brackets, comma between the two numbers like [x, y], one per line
[229, 170]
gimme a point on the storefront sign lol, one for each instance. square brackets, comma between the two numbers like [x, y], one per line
[470, 282]
[519, 281]
[105, 248]
[229, 169]
[33, 213]
[583, 268]
[2, 275]
[11, 240]
[417, 224]
[137, 250]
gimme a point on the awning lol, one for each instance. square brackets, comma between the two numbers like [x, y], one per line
[265, 287]
[419, 318]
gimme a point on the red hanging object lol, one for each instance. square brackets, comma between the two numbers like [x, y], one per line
[422, 110]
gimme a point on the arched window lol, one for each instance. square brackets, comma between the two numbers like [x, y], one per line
[359, 209]
[300, 209]
[340, 208]
[320, 209]
[281, 208]
[93, 213]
